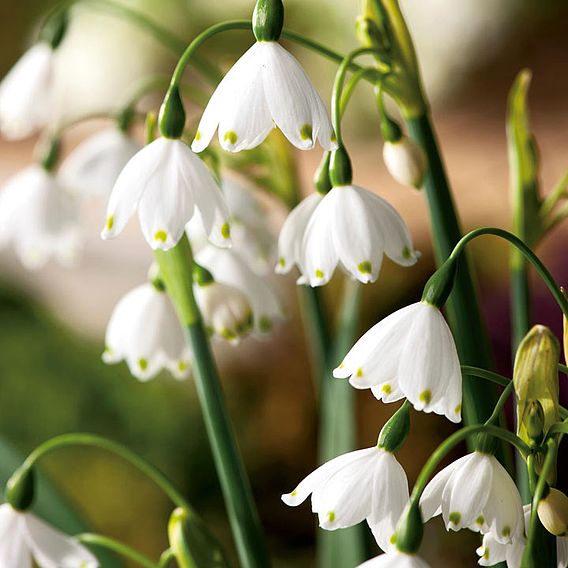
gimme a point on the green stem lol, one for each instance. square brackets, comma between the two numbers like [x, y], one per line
[176, 271]
[501, 403]
[118, 547]
[166, 557]
[92, 440]
[349, 88]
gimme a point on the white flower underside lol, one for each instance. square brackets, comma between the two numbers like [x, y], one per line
[266, 87]
[145, 332]
[228, 268]
[94, 165]
[23, 536]
[366, 484]
[475, 492]
[405, 161]
[411, 354]
[40, 218]
[166, 181]
[395, 559]
[354, 227]
[26, 94]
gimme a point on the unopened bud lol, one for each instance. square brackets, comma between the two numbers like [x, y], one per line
[553, 512]
[536, 382]
[395, 431]
[405, 161]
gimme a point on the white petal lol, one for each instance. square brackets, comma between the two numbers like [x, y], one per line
[562, 551]
[405, 161]
[292, 233]
[53, 549]
[294, 104]
[492, 552]
[14, 550]
[395, 559]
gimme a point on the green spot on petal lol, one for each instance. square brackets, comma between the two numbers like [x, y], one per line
[480, 520]
[109, 222]
[365, 267]
[319, 273]
[282, 262]
[143, 364]
[506, 532]
[333, 137]
[455, 518]
[198, 135]
[359, 373]
[265, 324]
[226, 231]
[161, 236]
[228, 334]
[406, 253]
[294, 493]
[182, 366]
[230, 137]
[331, 516]
[386, 388]
[393, 538]
[458, 408]
[425, 396]
[306, 132]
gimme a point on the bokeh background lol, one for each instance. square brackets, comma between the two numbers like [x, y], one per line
[52, 322]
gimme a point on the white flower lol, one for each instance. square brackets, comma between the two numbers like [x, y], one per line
[395, 559]
[293, 231]
[265, 88]
[405, 161]
[225, 310]
[145, 332]
[26, 93]
[228, 268]
[39, 217]
[24, 537]
[476, 492]
[94, 165]
[366, 484]
[411, 354]
[166, 181]
[492, 551]
[354, 227]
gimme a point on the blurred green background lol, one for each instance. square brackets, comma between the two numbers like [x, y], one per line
[52, 323]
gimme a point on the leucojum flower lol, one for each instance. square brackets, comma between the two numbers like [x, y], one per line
[145, 332]
[24, 537]
[395, 559]
[267, 87]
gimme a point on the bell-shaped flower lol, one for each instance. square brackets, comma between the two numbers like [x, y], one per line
[411, 354]
[228, 268]
[405, 161]
[492, 551]
[226, 310]
[476, 492]
[356, 228]
[265, 88]
[145, 332]
[166, 182]
[395, 559]
[366, 484]
[292, 233]
[93, 167]
[40, 218]
[25, 538]
[26, 93]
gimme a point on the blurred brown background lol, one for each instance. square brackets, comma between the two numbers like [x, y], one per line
[52, 322]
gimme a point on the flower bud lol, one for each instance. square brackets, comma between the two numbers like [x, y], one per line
[410, 529]
[191, 543]
[535, 379]
[553, 512]
[405, 161]
[20, 489]
[395, 431]
[268, 20]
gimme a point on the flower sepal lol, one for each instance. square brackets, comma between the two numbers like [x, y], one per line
[395, 431]
[340, 169]
[171, 120]
[410, 529]
[20, 489]
[440, 284]
[268, 20]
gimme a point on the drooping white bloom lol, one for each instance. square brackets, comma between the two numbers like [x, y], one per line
[94, 165]
[228, 268]
[293, 231]
[267, 87]
[354, 227]
[366, 484]
[40, 218]
[145, 332]
[166, 182]
[492, 551]
[411, 354]
[395, 559]
[476, 492]
[26, 93]
[24, 537]
[251, 235]
[226, 310]
[405, 161]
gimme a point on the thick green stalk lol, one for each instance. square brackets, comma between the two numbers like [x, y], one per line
[175, 269]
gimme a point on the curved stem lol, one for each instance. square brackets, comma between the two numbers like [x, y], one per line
[166, 557]
[92, 440]
[507, 391]
[527, 253]
[349, 88]
[118, 547]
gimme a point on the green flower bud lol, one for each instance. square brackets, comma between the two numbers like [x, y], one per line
[171, 119]
[340, 170]
[20, 489]
[268, 20]
[410, 529]
[192, 544]
[201, 276]
[440, 284]
[322, 182]
[553, 512]
[395, 431]
[535, 379]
